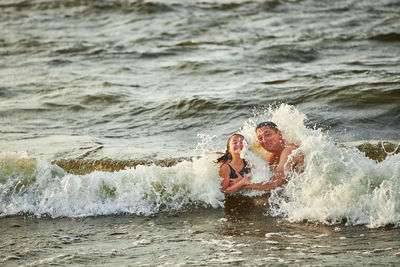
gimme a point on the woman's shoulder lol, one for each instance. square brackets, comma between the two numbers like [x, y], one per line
[224, 169]
[225, 164]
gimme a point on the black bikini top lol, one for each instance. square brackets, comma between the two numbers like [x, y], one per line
[242, 172]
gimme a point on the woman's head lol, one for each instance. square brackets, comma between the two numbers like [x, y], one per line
[235, 143]
[233, 146]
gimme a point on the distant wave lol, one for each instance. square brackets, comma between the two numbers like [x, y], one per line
[386, 37]
[368, 93]
[140, 6]
[84, 166]
[287, 53]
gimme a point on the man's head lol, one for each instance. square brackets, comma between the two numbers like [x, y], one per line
[268, 124]
[269, 136]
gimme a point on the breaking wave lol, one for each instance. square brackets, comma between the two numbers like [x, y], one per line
[351, 183]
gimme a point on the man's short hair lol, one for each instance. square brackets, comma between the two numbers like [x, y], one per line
[268, 124]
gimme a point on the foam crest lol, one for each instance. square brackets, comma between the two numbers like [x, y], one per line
[144, 190]
[339, 184]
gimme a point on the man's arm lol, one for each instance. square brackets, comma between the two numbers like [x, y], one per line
[279, 173]
[238, 185]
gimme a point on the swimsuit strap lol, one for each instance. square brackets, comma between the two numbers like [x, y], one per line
[242, 172]
[245, 169]
[232, 173]
[244, 165]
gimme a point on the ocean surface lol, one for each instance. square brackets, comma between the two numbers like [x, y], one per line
[112, 111]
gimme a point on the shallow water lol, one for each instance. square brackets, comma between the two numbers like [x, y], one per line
[193, 238]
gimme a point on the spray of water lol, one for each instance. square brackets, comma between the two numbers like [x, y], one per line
[339, 184]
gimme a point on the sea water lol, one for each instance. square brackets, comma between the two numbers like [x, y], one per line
[334, 201]
[338, 182]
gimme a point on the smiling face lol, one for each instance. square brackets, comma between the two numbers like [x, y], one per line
[269, 139]
[235, 144]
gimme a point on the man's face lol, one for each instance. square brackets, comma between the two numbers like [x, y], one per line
[268, 138]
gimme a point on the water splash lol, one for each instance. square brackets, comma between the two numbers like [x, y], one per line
[339, 183]
[48, 190]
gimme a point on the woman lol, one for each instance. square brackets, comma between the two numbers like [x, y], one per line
[234, 168]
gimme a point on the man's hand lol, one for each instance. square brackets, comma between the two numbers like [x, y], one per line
[241, 181]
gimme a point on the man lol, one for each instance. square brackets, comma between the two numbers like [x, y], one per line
[270, 138]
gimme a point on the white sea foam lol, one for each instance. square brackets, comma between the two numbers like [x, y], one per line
[145, 190]
[338, 183]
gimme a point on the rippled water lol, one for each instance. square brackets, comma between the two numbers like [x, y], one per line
[193, 239]
[104, 89]
[154, 74]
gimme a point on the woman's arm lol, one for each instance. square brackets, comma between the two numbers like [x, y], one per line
[238, 185]
[224, 172]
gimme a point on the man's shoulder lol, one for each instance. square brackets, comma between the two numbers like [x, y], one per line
[290, 147]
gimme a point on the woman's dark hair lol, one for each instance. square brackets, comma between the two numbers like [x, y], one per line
[268, 124]
[227, 155]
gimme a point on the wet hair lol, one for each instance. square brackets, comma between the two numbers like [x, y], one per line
[227, 155]
[268, 124]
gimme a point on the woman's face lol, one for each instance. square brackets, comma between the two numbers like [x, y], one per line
[236, 144]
